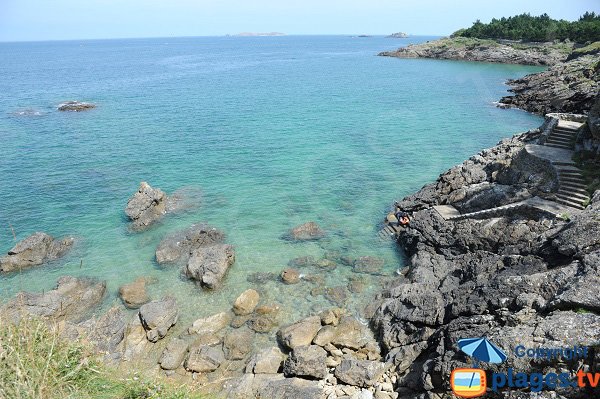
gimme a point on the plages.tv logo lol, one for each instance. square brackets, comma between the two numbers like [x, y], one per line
[472, 382]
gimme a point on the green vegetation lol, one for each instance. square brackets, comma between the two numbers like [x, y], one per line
[35, 363]
[593, 48]
[536, 29]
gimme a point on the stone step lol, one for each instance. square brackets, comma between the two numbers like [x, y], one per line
[562, 134]
[560, 163]
[571, 179]
[573, 195]
[556, 139]
[574, 203]
[566, 147]
[567, 129]
[567, 169]
[574, 189]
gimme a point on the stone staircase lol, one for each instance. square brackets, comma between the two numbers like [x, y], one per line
[562, 136]
[387, 232]
[490, 212]
[571, 185]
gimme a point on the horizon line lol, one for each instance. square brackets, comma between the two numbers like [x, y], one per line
[227, 35]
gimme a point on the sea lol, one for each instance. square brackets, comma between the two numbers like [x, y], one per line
[255, 134]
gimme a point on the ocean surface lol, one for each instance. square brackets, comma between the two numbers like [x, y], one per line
[259, 134]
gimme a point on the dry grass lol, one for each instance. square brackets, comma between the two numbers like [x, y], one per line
[36, 363]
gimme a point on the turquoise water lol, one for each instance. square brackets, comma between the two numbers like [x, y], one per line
[265, 133]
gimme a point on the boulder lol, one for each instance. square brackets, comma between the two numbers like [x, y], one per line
[174, 354]
[290, 388]
[306, 362]
[246, 302]
[205, 358]
[75, 106]
[134, 294]
[368, 264]
[71, 300]
[158, 317]
[238, 344]
[34, 250]
[306, 232]
[179, 245]
[300, 333]
[208, 265]
[135, 342]
[211, 324]
[266, 361]
[360, 373]
[146, 206]
[290, 276]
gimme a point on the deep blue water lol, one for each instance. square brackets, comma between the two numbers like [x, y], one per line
[267, 132]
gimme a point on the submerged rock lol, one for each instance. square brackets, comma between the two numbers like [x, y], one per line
[208, 265]
[306, 232]
[246, 302]
[290, 276]
[158, 317]
[134, 294]
[146, 206]
[179, 245]
[35, 250]
[72, 300]
[368, 264]
[75, 106]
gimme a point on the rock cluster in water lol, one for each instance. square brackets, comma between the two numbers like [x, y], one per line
[35, 250]
[146, 206]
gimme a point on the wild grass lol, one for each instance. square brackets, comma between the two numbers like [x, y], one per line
[37, 363]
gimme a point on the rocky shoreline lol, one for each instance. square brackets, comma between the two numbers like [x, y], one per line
[467, 49]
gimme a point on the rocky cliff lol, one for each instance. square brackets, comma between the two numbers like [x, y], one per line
[569, 86]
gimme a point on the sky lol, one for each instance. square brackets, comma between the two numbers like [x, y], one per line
[25, 20]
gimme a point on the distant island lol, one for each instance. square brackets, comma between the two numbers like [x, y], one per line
[398, 35]
[246, 34]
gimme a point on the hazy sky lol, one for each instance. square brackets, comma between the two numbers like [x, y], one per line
[84, 19]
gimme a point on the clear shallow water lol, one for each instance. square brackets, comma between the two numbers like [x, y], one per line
[271, 131]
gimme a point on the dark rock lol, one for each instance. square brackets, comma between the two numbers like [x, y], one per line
[306, 232]
[75, 106]
[360, 373]
[337, 295]
[303, 261]
[146, 206]
[179, 245]
[72, 300]
[158, 317]
[307, 362]
[208, 265]
[34, 250]
[262, 323]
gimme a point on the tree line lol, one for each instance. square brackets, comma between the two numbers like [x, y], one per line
[536, 29]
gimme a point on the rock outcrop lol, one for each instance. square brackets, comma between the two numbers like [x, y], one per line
[208, 265]
[75, 106]
[520, 278]
[71, 300]
[179, 245]
[146, 206]
[468, 49]
[568, 87]
[35, 250]
[158, 317]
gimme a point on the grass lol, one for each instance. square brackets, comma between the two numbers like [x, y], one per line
[36, 363]
[589, 49]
